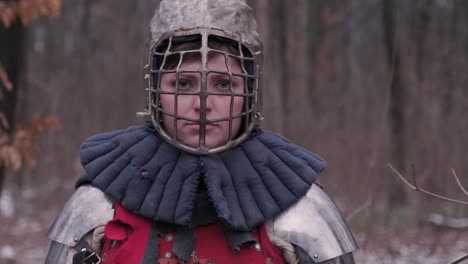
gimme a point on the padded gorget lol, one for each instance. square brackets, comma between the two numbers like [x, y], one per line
[248, 185]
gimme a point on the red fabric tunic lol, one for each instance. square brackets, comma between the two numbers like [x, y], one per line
[127, 234]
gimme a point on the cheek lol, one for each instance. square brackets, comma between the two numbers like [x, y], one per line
[167, 102]
[238, 104]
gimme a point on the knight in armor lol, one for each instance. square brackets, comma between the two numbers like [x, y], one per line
[201, 182]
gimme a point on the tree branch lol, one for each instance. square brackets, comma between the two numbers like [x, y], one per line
[359, 209]
[416, 188]
[459, 260]
[458, 182]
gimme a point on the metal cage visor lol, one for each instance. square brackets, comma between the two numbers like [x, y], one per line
[203, 89]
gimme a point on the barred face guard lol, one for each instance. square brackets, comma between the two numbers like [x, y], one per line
[238, 94]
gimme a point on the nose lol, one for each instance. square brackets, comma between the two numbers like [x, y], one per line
[197, 104]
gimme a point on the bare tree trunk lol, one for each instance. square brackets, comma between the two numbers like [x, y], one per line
[11, 42]
[431, 71]
[349, 123]
[271, 19]
[396, 192]
[87, 68]
[296, 69]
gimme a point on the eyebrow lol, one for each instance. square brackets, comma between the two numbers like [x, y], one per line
[189, 75]
[217, 76]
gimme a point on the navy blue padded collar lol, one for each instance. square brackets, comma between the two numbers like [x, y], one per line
[248, 185]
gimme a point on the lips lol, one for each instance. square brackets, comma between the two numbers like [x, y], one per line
[197, 126]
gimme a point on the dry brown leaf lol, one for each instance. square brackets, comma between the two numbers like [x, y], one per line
[10, 157]
[7, 14]
[27, 10]
[21, 147]
[4, 79]
[3, 122]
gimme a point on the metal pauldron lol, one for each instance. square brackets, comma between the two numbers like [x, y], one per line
[317, 226]
[87, 209]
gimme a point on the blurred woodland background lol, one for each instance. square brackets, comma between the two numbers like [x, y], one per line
[362, 83]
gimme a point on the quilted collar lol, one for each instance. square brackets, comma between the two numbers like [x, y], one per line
[248, 185]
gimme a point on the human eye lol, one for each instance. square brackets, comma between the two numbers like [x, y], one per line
[223, 85]
[184, 84]
[168, 82]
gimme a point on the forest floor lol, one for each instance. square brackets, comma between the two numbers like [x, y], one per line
[24, 225]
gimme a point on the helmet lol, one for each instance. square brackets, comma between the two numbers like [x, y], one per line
[206, 54]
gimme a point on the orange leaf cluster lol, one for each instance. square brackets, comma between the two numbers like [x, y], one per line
[20, 148]
[28, 10]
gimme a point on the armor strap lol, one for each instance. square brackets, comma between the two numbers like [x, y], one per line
[86, 257]
[86, 254]
[83, 245]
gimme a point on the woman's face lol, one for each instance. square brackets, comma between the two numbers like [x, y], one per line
[217, 106]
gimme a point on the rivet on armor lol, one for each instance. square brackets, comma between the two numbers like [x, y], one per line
[167, 254]
[257, 247]
[169, 237]
[76, 239]
[144, 173]
[315, 256]
[268, 261]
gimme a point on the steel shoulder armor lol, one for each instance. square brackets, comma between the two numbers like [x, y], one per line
[316, 226]
[86, 210]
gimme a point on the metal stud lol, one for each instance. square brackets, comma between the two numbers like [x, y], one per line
[144, 173]
[315, 256]
[147, 76]
[169, 237]
[76, 239]
[168, 254]
[257, 247]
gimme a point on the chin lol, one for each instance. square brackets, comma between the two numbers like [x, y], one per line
[215, 144]
[214, 138]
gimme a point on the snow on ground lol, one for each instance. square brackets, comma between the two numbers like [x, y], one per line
[7, 208]
[24, 225]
